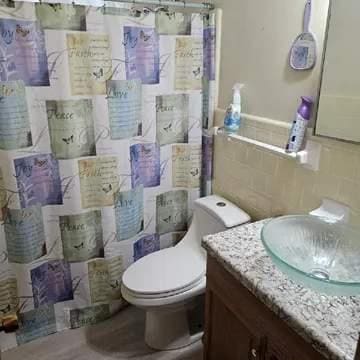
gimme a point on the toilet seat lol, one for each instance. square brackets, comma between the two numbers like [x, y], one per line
[166, 294]
[165, 273]
[160, 302]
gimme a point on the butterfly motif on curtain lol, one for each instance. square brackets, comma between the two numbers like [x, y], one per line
[54, 267]
[143, 36]
[170, 15]
[116, 284]
[168, 219]
[21, 31]
[168, 128]
[55, 7]
[40, 163]
[68, 140]
[98, 74]
[197, 72]
[78, 247]
[107, 189]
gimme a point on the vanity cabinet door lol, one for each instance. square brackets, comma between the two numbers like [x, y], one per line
[230, 339]
[238, 326]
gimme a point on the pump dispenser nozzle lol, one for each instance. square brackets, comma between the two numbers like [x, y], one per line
[237, 94]
[233, 114]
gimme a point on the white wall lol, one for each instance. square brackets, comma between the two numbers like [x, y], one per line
[256, 40]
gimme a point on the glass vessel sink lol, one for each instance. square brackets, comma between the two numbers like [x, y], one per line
[318, 254]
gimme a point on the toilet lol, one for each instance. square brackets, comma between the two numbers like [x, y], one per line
[167, 284]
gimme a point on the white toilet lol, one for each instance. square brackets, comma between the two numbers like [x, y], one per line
[167, 283]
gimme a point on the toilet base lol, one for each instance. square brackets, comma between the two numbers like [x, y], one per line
[174, 327]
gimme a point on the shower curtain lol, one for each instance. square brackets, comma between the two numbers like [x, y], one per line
[104, 146]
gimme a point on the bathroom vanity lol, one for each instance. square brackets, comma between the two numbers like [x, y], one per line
[253, 311]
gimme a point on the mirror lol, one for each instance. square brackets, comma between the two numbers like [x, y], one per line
[339, 103]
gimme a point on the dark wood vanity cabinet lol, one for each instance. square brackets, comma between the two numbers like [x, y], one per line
[238, 326]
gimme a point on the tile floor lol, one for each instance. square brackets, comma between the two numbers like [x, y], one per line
[120, 337]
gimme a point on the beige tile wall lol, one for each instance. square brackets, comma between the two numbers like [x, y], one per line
[268, 185]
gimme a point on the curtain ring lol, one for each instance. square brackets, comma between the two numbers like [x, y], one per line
[133, 6]
[208, 6]
[184, 2]
[205, 10]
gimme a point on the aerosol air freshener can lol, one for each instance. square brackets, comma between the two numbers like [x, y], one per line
[298, 130]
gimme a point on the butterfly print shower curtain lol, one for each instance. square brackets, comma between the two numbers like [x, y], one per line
[105, 119]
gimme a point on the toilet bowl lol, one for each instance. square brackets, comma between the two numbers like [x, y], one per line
[168, 283]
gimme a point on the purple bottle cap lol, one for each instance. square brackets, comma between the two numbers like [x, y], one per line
[306, 106]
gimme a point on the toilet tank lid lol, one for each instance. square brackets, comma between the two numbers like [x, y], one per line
[224, 210]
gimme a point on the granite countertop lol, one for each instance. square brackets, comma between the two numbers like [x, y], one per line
[331, 324]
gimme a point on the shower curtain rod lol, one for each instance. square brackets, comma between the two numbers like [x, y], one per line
[181, 4]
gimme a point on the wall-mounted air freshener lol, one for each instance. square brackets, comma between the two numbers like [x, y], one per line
[304, 49]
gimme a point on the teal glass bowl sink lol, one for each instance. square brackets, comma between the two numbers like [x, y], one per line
[316, 253]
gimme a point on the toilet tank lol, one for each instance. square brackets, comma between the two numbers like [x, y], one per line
[221, 211]
[212, 214]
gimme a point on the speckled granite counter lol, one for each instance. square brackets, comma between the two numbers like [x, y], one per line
[330, 324]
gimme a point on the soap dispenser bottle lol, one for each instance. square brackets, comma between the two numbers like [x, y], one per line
[233, 113]
[300, 124]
